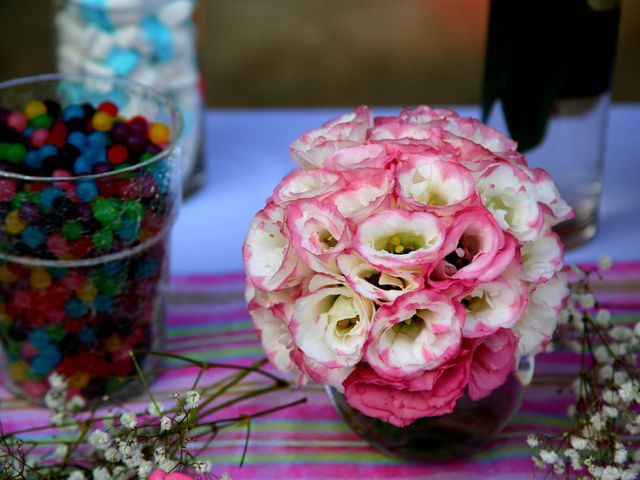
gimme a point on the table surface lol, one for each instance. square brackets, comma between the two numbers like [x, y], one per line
[248, 154]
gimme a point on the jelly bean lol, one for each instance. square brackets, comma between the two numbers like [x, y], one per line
[75, 308]
[102, 121]
[39, 137]
[35, 108]
[129, 229]
[45, 362]
[105, 210]
[81, 247]
[48, 195]
[159, 133]
[117, 154]
[32, 236]
[16, 152]
[33, 160]
[7, 190]
[13, 224]
[29, 212]
[18, 121]
[43, 121]
[87, 335]
[103, 303]
[102, 239]
[72, 230]
[77, 139]
[57, 244]
[97, 140]
[119, 132]
[48, 151]
[87, 293]
[72, 111]
[82, 164]
[40, 279]
[86, 190]
[18, 371]
[108, 107]
[6, 275]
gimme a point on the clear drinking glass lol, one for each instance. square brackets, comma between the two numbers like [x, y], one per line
[83, 275]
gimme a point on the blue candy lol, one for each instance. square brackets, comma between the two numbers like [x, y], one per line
[147, 268]
[72, 111]
[39, 338]
[57, 272]
[159, 36]
[95, 12]
[97, 140]
[78, 139]
[75, 308]
[33, 159]
[47, 151]
[87, 335]
[82, 165]
[103, 303]
[122, 61]
[97, 155]
[49, 194]
[46, 361]
[32, 236]
[87, 191]
[130, 229]
[114, 268]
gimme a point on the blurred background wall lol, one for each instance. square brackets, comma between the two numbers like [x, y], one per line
[266, 53]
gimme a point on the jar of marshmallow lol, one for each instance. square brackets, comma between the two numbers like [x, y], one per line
[152, 42]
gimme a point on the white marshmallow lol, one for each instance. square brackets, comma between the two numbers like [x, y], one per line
[175, 13]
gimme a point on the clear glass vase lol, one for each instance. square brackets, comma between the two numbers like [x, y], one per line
[468, 428]
[84, 259]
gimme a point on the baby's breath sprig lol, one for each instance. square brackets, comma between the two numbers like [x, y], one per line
[121, 444]
[603, 441]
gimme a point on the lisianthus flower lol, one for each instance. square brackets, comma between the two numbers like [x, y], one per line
[420, 331]
[272, 327]
[331, 323]
[426, 182]
[476, 131]
[307, 184]
[492, 362]
[318, 233]
[511, 198]
[542, 257]
[422, 114]
[405, 137]
[362, 156]
[270, 260]
[499, 303]
[376, 284]
[312, 148]
[548, 194]
[365, 193]
[536, 326]
[319, 372]
[399, 402]
[395, 239]
[471, 246]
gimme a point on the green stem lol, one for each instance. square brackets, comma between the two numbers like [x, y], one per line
[144, 381]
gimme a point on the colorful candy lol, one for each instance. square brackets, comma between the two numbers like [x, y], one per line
[66, 305]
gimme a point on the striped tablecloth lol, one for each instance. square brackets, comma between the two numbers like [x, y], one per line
[207, 320]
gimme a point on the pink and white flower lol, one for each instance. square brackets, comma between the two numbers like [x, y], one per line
[492, 362]
[510, 196]
[376, 284]
[497, 304]
[315, 184]
[270, 261]
[331, 323]
[312, 148]
[396, 239]
[542, 257]
[426, 182]
[318, 233]
[539, 321]
[420, 331]
[410, 259]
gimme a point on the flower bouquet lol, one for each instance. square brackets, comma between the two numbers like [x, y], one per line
[410, 260]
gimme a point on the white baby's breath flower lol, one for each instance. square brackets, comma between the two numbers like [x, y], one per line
[603, 317]
[621, 333]
[77, 475]
[574, 456]
[605, 373]
[144, 469]
[630, 474]
[579, 443]
[155, 409]
[559, 467]
[61, 451]
[610, 473]
[628, 391]
[610, 412]
[129, 420]
[191, 399]
[101, 473]
[532, 441]
[604, 263]
[100, 440]
[202, 467]
[76, 403]
[620, 377]
[58, 418]
[165, 423]
[57, 381]
[112, 455]
[636, 330]
[55, 398]
[621, 454]
[225, 476]
[571, 411]
[610, 397]
[587, 300]
[538, 463]
[602, 355]
[597, 422]
[548, 456]
[167, 465]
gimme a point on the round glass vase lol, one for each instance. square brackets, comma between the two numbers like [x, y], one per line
[84, 259]
[471, 425]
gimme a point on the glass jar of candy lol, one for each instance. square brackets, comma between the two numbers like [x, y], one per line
[152, 42]
[89, 191]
